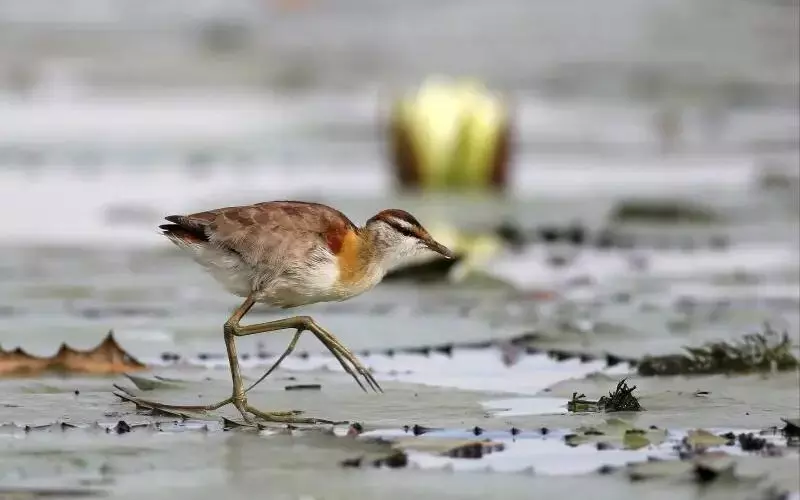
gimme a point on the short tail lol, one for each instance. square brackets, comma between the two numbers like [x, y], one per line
[183, 230]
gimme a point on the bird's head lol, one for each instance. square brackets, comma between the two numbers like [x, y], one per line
[399, 235]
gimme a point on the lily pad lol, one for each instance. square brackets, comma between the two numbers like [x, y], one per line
[616, 433]
[701, 439]
[456, 448]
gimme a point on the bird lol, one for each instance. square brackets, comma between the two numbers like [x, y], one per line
[287, 254]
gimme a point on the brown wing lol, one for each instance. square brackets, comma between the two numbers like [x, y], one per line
[270, 234]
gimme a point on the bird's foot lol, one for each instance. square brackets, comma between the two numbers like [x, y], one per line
[196, 408]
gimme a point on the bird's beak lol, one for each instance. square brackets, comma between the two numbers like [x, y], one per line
[440, 249]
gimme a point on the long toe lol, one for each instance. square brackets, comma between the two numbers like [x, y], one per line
[197, 408]
[243, 409]
[287, 417]
[349, 356]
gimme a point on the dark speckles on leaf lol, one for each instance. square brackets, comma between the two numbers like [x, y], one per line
[560, 355]
[606, 469]
[303, 387]
[424, 351]
[122, 427]
[418, 430]
[352, 462]
[569, 439]
[170, 357]
[446, 349]
[397, 459]
[749, 442]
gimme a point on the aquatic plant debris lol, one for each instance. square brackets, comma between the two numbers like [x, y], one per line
[616, 434]
[792, 431]
[621, 399]
[663, 211]
[756, 352]
[608, 448]
[106, 358]
[454, 448]
[701, 469]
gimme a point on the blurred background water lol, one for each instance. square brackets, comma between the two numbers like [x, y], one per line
[116, 113]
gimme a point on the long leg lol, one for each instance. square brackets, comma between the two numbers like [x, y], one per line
[238, 396]
[233, 329]
[303, 323]
[233, 362]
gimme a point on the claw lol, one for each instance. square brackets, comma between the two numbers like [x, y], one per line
[344, 356]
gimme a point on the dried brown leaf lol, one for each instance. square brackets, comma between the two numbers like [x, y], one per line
[106, 358]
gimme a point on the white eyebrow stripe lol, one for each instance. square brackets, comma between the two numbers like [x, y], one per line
[403, 224]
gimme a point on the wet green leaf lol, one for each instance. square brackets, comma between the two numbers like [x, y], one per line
[634, 441]
[457, 448]
[658, 469]
[703, 439]
[616, 433]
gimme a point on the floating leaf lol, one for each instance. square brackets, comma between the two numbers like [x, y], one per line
[105, 359]
[456, 448]
[657, 469]
[635, 440]
[703, 468]
[701, 439]
[616, 433]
